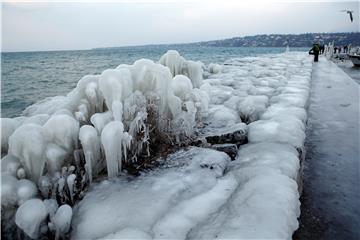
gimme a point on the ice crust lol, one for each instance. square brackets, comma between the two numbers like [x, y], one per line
[199, 193]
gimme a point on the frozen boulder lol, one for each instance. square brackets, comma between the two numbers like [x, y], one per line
[252, 107]
[28, 144]
[30, 216]
[236, 134]
[221, 116]
[10, 164]
[8, 126]
[289, 130]
[8, 190]
[62, 220]
[26, 190]
[214, 68]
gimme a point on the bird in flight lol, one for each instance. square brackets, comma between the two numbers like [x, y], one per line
[350, 13]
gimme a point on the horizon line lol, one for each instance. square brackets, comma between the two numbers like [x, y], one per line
[162, 44]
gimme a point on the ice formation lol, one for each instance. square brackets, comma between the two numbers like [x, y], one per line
[201, 194]
[30, 216]
[214, 68]
[168, 93]
[62, 220]
[26, 190]
[28, 144]
[8, 126]
[10, 164]
[180, 66]
[8, 190]
[110, 119]
[90, 142]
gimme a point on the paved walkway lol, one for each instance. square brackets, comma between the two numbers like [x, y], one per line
[331, 197]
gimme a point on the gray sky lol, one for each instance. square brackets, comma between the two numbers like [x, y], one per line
[30, 26]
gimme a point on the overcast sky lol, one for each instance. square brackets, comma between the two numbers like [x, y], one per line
[31, 26]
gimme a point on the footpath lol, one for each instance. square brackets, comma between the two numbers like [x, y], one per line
[330, 204]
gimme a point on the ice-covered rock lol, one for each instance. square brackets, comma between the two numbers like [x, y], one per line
[221, 116]
[283, 157]
[30, 216]
[252, 107]
[236, 134]
[10, 164]
[230, 149]
[214, 68]
[279, 111]
[26, 190]
[28, 144]
[286, 130]
[8, 126]
[62, 220]
[8, 190]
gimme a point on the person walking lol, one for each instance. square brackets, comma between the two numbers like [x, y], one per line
[315, 50]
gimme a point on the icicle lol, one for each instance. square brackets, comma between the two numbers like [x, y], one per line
[111, 138]
[91, 146]
[61, 184]
[117, 110]
[126, 143]
[70, 180]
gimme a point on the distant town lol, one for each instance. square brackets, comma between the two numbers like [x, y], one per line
[273, 40]
[293, 40]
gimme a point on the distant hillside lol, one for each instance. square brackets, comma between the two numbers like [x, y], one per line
[280, 40]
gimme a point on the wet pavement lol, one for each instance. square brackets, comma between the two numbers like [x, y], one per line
[331, 197]
[348, 67]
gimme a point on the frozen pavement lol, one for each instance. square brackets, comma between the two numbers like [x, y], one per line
[330, 201]
[200, 193]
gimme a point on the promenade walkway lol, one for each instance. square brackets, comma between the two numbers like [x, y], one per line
[331, 198]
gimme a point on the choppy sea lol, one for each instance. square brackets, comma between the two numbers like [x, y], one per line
[28, 77]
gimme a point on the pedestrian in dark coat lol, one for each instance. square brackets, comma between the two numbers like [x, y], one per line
[315, 51]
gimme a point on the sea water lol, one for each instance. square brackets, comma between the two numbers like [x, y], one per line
[28, 77]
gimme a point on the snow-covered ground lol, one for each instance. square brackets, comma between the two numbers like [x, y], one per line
[199, 193]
